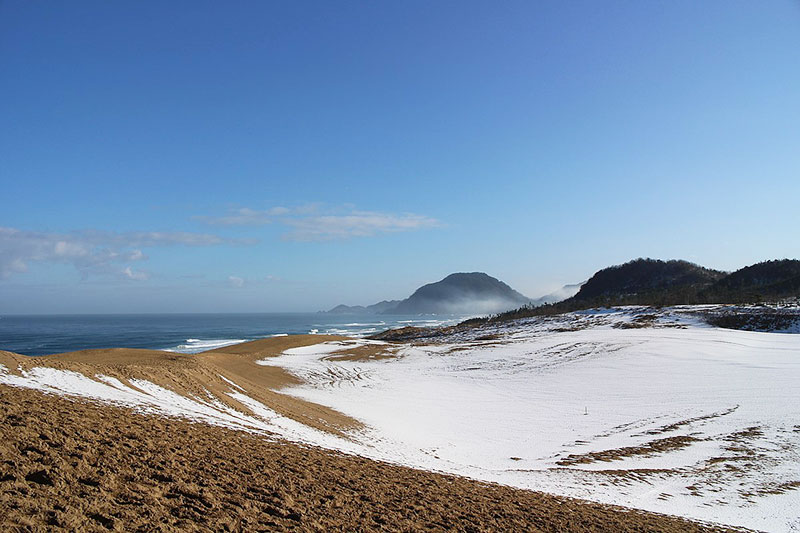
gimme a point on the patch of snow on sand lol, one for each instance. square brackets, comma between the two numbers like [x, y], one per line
[687, 419]
[147, 397]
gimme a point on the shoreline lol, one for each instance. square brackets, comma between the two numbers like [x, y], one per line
[183, 333]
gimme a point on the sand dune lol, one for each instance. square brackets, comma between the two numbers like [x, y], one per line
[76, 466]
[406, 404]
[198, 375]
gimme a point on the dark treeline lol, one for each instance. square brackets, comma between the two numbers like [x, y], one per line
[658, 283]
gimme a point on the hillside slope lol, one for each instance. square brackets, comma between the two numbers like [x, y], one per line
[768, 279]
[663, 283]
[650, 279]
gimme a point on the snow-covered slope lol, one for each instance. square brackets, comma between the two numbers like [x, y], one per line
[656, 412]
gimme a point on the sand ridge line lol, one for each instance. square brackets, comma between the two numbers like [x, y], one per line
[196, 376]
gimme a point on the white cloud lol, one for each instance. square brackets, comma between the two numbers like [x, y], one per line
[91, 251]
[136, 275]
[355, 224]
[137, 255]
[144, 239]
[312, 222]
[236, 281]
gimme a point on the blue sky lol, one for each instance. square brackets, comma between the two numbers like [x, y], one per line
[270, 156]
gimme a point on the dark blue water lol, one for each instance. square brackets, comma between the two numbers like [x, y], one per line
[189, 333]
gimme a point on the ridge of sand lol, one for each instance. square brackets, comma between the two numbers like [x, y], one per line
[198, 375]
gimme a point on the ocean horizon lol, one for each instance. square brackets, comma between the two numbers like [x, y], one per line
[38, 335]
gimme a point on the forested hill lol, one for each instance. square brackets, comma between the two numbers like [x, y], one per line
[659, 283]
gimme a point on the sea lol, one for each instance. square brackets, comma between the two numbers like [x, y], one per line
[186, 333]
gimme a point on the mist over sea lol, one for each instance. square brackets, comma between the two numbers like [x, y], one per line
[186, 333]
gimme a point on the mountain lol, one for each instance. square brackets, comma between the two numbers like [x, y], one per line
[386, 306]
[380, 307]
[462, 293]
[567, 291]
[342, 309]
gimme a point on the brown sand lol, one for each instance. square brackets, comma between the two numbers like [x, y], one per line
[368, 352]
[193, 375]
[70, 465]
[650, 448]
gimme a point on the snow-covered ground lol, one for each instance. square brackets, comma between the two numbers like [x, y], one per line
[649, 409]
[675, 416]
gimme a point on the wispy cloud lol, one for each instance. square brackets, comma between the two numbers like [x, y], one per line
[237, 282]
[244, 216]
[313, 222]
[355, 224]
[91, 251]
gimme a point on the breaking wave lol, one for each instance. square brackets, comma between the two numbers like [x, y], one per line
[201, 345]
